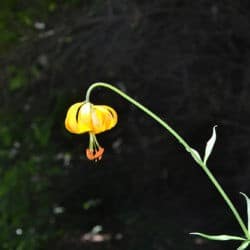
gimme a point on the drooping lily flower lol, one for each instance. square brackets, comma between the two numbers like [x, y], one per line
[85, 117]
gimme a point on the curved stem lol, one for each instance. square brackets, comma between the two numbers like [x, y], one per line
[181, 141]
[140, 106]
[226, 199]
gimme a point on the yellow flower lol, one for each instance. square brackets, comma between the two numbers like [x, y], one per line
[85, 117]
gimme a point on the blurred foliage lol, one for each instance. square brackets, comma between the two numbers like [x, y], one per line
[27, 215]
[20, 18]
[27, 157]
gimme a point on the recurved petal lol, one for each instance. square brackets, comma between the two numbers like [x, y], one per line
[97, 119]
[103, 118]
[71, 118]
[111, 117]
[85, 117]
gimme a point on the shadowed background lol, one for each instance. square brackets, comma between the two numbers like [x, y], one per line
[188, 62]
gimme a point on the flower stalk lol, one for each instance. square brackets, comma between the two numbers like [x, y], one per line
[189, 149]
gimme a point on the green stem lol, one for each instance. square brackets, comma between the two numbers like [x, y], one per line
[140, 106]
[226, 199]
[181, 141]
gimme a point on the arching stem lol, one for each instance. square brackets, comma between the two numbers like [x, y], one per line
[181, 141]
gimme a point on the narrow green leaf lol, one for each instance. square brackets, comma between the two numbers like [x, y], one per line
[248, 210]
[244, 245]
[195, 154]
[218, 237]
[210, 145]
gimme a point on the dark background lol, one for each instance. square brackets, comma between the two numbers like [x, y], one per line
[188, 61]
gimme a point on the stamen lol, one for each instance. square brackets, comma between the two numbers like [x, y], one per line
[94, 154]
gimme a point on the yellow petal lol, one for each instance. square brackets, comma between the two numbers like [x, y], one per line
[103, 118]
[97, 118]
[111, 117]
[70, 120]
[72, 123]
[84, 117]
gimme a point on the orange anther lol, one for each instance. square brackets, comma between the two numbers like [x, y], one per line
[94, 154]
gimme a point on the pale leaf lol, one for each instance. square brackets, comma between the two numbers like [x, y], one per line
[248, 210]
[210, 145]
[195, 154]
[244, 245]
[221, 237]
